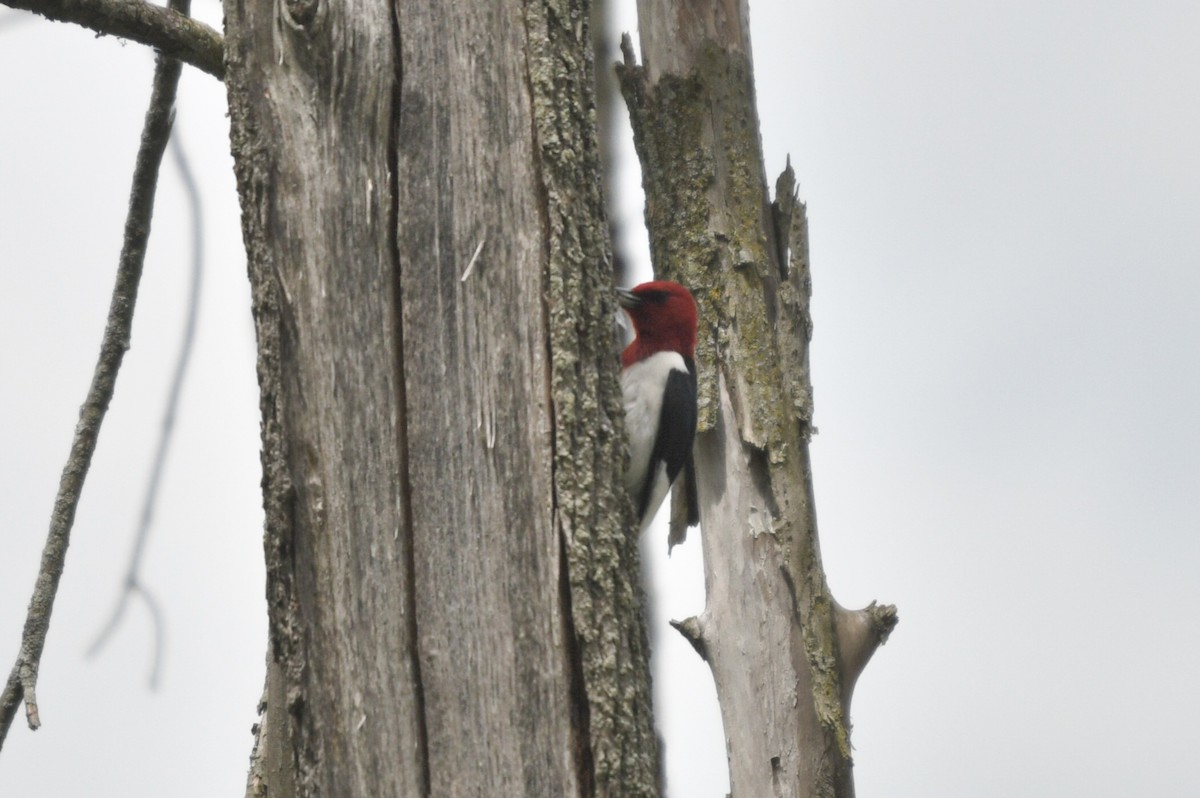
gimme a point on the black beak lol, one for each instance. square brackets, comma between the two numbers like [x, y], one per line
[627, 299]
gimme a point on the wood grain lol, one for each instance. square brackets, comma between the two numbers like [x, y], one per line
[451, 580]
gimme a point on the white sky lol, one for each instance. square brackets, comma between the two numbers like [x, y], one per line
[1003, 200]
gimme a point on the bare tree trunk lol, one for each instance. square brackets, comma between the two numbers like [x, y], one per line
[452, 578]
[452, 587]
[784, 655]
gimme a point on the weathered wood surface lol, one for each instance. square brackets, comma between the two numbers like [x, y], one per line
[784, 655]
[491, 628]
[453, 596]
[312, 92]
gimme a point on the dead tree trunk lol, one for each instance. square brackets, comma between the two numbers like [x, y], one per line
[453, 599]
[452, 582]
[783, 653]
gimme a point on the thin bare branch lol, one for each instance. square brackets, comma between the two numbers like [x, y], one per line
[22, 681]
[133, 584]
[168, 31]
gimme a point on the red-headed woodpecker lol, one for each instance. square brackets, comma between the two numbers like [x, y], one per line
[658, 379]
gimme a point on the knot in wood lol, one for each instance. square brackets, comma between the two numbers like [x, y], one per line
[301, 13]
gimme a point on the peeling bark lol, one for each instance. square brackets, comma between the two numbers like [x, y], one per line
[784, 655]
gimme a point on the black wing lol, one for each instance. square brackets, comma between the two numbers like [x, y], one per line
[673, 445]
[689, 489]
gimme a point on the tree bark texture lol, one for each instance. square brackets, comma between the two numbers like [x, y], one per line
[451, 582]
[784, 655]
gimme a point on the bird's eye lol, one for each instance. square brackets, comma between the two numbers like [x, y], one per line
[658, 297]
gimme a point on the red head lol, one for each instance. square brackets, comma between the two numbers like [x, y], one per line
[664, 319]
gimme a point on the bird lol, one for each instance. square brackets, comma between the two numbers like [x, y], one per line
[658, 384]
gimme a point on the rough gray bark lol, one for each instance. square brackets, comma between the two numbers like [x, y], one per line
[311, 149]
[784, 655]
[452, 592]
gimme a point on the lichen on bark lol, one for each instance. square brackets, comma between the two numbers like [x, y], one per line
[713, 227]
[592, 512]
[705, 214]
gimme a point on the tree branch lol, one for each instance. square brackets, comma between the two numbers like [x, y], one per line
[859, 633]
[22, 681]
[168, 31]
[133, 585]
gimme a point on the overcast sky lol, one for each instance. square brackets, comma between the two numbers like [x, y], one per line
[1003, 203]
